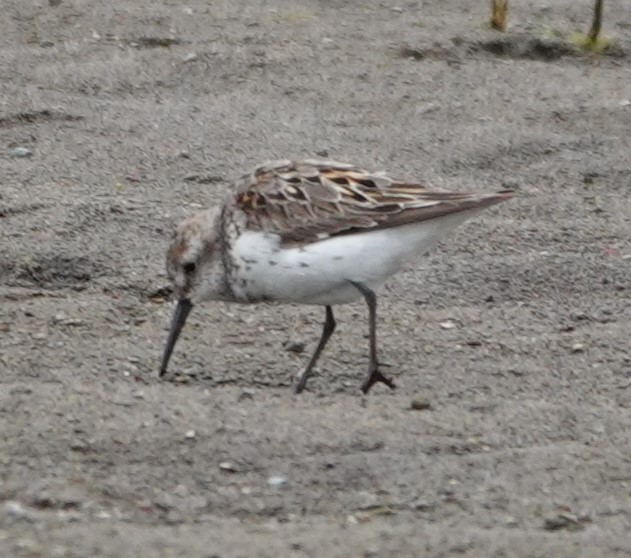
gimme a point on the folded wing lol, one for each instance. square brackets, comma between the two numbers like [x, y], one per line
[304, 201]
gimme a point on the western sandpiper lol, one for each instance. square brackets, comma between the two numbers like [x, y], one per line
[310, 232]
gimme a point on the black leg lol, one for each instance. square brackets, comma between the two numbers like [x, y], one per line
[374, 375]
[327, 331]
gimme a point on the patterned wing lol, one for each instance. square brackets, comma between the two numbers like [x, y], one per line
[304, 201]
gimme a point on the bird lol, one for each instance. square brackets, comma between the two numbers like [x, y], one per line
[313, 232]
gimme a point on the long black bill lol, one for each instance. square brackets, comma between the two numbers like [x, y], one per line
[182, 310]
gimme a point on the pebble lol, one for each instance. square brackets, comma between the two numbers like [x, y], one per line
[421, 403]
[510, 521]
[21, 152]
[448, 324]
[190, 434]
[181, 490]
[427, 107]
[227, 466]
[560, 521]
[62, 319]
[423, 505]
[578, 348]
[277, 481]
[294, 346]
[15, 509]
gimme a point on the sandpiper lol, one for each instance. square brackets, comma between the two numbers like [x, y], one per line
[311, 232]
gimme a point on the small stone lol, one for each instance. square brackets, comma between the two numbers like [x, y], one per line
[228, 467]
[21, 152]
[15, 509]
[420, 403]
[423, 505]
[560, 521]
[190, 434]
[510, 184]
[59, 317]
[277, 481]
[578, 348]
[294, 346]
[247, 393]
[190, 57]
[181, 490]
[80, 446]
[427, 107]
[448, 324]
[138, 394]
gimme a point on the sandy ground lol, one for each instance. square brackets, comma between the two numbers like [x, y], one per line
[135, 113]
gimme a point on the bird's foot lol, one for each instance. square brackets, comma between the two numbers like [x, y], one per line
[374, 376]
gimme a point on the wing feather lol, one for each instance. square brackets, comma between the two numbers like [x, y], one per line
[305, 201]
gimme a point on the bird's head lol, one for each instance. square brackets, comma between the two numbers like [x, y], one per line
[194, 268]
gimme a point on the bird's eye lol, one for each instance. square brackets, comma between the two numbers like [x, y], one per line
[189, 267]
